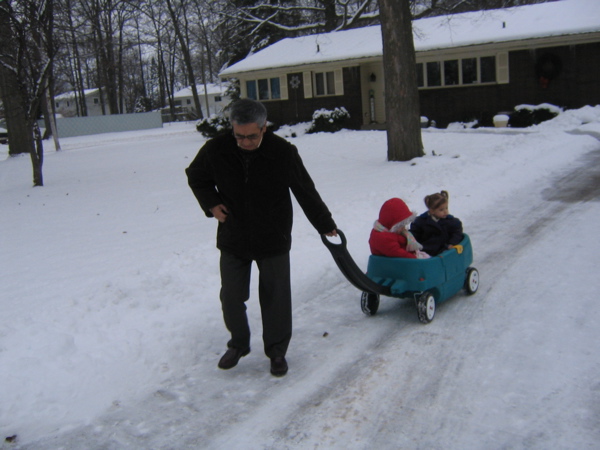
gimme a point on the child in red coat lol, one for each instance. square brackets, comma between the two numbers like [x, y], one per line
[390, 235]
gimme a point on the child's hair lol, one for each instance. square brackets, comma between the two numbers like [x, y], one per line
[434, 201]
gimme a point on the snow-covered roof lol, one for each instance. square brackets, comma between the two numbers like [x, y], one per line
[558, 18]
[71, 94]
[211, 88]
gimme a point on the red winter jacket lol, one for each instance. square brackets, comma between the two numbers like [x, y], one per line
[385, 243]
[393, 212]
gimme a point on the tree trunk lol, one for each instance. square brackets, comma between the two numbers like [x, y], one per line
[120, 77]
[111, 74]
[20, 139]
[331, 17]
[399, 67]
[144, 90]
[37, 156]
[187, 58]
[52, 120]
[73, 46]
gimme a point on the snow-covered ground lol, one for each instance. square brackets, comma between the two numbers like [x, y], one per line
[111, 326]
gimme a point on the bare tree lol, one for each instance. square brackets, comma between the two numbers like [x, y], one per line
[178, 13]
[402, 95]
[161, 37]
[26, 62]
[252, 25]
[204, 32]
[428, 8]
[107, 20]
[73, 44]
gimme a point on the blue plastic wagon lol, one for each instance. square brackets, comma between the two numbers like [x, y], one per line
[427, 281]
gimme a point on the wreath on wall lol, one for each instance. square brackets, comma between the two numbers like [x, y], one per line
[547, 68]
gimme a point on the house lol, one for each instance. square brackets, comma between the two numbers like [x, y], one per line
[66, 104]
[214, 95]
[470, 66]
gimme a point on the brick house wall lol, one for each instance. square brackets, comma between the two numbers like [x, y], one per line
[576, 83]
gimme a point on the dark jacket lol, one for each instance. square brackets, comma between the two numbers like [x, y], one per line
[255, 187]
[435, 236]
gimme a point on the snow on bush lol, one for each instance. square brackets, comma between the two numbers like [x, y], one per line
[213, 125]
[528, 115]
[462, 125]
[328, 121]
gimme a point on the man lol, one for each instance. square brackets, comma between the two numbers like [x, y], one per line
[244, 181]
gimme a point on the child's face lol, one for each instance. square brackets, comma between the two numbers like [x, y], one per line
[440, 212]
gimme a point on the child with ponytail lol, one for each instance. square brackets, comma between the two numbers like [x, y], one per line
[436, 229]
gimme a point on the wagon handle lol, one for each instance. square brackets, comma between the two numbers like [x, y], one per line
[348, 267]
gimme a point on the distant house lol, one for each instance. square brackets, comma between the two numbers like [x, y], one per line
[469, 66]
[215, 94]
[66, 104]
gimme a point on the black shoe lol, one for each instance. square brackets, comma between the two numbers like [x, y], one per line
[231, 357]
[279, 366]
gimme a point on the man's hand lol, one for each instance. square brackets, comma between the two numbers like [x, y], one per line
[332, 233]
[220, 212]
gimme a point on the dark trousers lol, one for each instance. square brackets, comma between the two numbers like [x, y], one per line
[275, 299]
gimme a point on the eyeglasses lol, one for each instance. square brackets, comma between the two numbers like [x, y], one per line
[250, 137]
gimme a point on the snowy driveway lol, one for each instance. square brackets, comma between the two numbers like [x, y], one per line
[514, 366]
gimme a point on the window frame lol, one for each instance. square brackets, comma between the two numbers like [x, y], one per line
[425, 69]
[326, 78]
[265, 85]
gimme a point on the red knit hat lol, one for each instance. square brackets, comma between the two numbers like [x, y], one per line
[394, 214]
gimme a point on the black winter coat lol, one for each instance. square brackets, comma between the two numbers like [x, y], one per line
[435, 236]
[255, 187]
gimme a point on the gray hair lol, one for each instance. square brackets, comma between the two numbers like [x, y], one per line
[246, 110]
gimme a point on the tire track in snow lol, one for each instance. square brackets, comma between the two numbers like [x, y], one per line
[394, 371]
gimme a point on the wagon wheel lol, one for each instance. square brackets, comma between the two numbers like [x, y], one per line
[426, 307]
[472, 281]
[369, 303]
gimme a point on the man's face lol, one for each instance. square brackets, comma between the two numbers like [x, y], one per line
[248, 136]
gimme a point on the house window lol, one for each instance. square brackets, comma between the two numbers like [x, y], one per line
[488, 69]
[263, 89]
[324, 83]
[469, 70]
[188, 101]
[434, 74]
[457, 72]
[217, 98]
[420, 80]
[451, 72]
[251, 89]
[58, 104]
[96, 100]
[275, 88]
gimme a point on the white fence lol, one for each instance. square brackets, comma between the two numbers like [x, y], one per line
[83, 126]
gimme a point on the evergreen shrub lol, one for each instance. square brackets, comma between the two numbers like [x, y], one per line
[526, 116]
[324, 120]
[213, 126]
